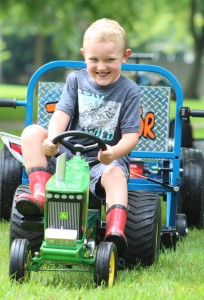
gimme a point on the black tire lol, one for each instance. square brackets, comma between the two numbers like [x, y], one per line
[143, 228]
[105, 269]
[191, 199]
[20, 257]
[181, 225]
[10, 179]
[34, 237]
[187, 133]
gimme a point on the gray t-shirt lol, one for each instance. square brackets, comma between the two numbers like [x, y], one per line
[105, 111]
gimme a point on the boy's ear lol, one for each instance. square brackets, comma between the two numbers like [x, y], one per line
[127, 53]
[82, 51]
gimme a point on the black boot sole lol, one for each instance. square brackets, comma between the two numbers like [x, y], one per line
[27, 208]
[120, 242]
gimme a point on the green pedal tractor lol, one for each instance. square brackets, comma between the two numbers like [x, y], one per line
[74, 232]
[70, 227]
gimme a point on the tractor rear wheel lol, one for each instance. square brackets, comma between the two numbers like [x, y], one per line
[191, 200]
[143, 227]
[10, 178]
[16, 232]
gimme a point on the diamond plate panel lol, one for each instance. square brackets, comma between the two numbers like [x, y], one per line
[48, 92]
[154, 117]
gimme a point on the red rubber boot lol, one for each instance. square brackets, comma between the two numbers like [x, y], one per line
[33, 204]
[115, 225]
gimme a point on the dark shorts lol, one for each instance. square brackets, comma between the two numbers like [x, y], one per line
[95, 172]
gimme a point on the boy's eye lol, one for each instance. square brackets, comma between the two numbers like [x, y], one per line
[93, 59]
[110, 59]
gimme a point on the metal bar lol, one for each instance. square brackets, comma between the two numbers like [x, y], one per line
[196, 113]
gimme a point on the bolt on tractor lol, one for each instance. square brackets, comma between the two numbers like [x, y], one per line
[70, 234]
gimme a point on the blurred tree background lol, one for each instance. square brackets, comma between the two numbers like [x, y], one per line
[35, 32]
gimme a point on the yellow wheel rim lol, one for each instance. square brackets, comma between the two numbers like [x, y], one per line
[111, 269]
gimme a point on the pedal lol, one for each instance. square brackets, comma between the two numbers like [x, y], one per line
[121, 263]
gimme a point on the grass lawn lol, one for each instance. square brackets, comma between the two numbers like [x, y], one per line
[177, 275]
[14, 92]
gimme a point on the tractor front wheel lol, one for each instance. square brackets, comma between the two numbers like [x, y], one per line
[106, 264]
[20, 257]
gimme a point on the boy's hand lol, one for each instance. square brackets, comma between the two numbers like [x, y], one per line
[106, 157]
[49, 148]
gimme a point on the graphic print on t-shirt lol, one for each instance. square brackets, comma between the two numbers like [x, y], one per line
[97, 115]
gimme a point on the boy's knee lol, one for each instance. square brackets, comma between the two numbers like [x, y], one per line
[114, 173]
[33, 131]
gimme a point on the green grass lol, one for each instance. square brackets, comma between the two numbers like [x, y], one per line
[12, 91]
[177, 275]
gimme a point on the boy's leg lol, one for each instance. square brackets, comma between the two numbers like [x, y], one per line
[36, 167]
[114, 181]
[31, 141]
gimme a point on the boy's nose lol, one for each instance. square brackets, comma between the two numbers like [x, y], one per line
[101, 66]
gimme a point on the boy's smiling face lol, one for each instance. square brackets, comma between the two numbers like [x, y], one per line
[104, 60]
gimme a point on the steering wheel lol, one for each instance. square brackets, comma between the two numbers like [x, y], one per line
[78, 148]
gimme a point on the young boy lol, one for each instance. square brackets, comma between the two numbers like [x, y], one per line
[98, 100]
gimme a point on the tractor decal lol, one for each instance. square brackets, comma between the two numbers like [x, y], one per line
[146, 124]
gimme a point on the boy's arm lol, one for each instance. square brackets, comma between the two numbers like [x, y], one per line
[127, 143]
[58, 124]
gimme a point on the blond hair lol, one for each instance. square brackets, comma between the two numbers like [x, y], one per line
[104, 30]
